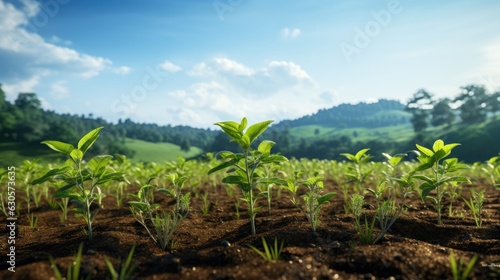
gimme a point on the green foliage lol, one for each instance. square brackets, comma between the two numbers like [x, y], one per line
[247, 168]
[434, 160]
[461, 271]
[126, 269]
[149, 214]
[475, 204]
[270, 254]
[86, 177]
[73, 272]
[314, 199]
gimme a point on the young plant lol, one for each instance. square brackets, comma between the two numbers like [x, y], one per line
[460, 271]
[314, 200]
[246, 168]
[365, 230]
[164, 222]
[73, 272]
[475, 204]
[182, 201]
[33, 220]
[356, 173]
[270, 254]
[440, 167]
[292, 185]
[84, 176]
[126, 269]
[205, 207]
[142, 208]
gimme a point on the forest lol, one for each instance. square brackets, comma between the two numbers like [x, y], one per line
[25, 121]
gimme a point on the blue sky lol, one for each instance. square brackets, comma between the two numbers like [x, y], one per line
[188, 62]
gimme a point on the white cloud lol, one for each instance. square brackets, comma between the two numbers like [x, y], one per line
[290, 33]
[170, 67]
[56, 40]
[122, 70]
[231, 66]
[13, 89]
[30, 7]
[220, 65]
[58, 90]
[291, 69]
[26, 56]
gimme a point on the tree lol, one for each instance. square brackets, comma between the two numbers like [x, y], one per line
[494, 103]
[442, 113]
[473, 104]
[419, 106]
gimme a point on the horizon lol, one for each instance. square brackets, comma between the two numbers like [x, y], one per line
[195, 63]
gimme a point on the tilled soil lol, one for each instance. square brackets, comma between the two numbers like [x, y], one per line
[215, 245]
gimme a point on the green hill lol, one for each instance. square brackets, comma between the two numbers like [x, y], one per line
[158, 152]
[14, 153]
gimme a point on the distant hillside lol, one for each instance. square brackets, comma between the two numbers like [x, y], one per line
[369, 115]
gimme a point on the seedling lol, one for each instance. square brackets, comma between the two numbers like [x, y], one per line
[73, 272]
[246, 167]
[86, 177]
[33, 220]
[314, 200]
[164, 222]
[205, 207]
[270, 254]
[356, 173]
[475, 204]
[435, 161]
[126, 269]
[365, 230]
[461, 271]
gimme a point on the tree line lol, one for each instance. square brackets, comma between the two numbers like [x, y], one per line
[472, 105]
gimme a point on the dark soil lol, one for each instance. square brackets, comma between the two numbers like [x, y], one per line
[215, 245]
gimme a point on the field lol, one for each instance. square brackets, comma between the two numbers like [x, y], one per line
[158, 152]
[212, 240]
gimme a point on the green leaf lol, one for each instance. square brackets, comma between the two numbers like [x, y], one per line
[67, 193]
[50, 174]
[223, 165]
[360, 154]
[265, 147]
[276, 181]
[166, 191]
[257, 129]
[60, 147]
[88, 140]
[76, 155]
[426, 188]
[243, 124]
[233, 179]
[97, 164]
[424, 150]
[324, 199]
[447, 148]
[231, 129]
[139, 205]
[349, 156]
[273, 159]
[438, 145]
[112, 176]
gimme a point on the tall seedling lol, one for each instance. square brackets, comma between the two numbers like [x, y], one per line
[441, 168]
[84, 176]
[246, 168]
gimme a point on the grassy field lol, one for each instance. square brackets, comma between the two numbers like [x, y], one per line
[14, 153]
[158, 152]
[398, 133]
